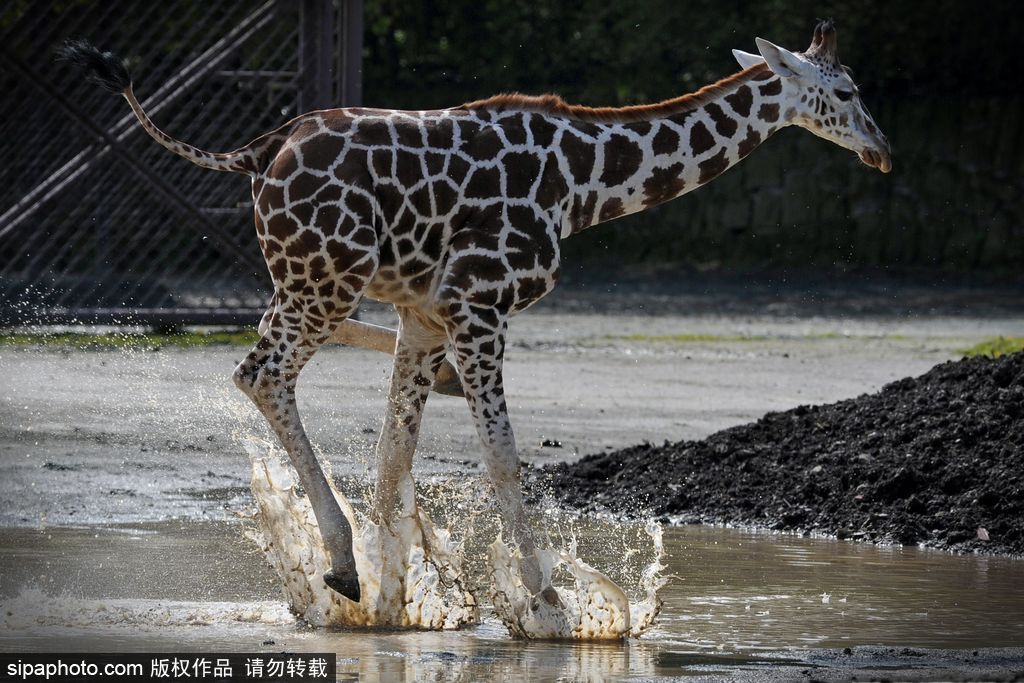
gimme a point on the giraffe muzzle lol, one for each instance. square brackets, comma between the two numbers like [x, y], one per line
[879, 157]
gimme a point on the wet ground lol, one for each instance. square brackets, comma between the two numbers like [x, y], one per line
[122, 479]
[115, 435]
[756, 606]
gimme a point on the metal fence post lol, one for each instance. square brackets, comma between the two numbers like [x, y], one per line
[349, 69]
[316, 47]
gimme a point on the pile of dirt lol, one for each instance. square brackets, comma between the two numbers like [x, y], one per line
[936, 459]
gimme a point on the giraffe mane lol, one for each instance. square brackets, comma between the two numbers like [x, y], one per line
[554, 104]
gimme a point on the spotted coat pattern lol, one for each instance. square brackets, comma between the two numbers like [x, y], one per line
[455, 217]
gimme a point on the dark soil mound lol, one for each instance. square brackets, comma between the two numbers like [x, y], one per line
[936, 459]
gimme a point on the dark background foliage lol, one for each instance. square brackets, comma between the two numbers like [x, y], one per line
[940, 77]
[437, 53]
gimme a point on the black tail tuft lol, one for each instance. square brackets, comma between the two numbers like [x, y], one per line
[104, 68]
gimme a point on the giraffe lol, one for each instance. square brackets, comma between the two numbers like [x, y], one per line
[455, 217]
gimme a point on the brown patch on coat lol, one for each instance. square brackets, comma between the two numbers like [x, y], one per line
[328, 218]
[484, 145]
[383, 162]
[457, 169]
[724, 125]
[581, 213]
[271, 197]
[284, 165]
[768, 112]
[328, 193]
[612, 208]
[373, 133]
[435, 163]
[485, 183]
[521, 171]
[303, 212]
[666, 140]
[445, 197]
[440, 133]
[543, 131]
[748, 143]
[304, 244]
[514, 130]
[361, 206]
[622, 159]
[420, 200]
[538, 242]
[552, 185]
[341, 254]
[320, 151]
[664, 184]
[710, 168]
[741, 100]
[701, 139]
[580, 156]
[771, 87]
[303, 186]
[408, 168]
[409, 133]
[281, 226]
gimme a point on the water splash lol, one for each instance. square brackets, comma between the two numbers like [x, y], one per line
[410, 573]
[594, 609]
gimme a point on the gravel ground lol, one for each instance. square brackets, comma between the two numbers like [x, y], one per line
[100, 438]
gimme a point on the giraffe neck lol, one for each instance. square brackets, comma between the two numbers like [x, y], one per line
[639, 164]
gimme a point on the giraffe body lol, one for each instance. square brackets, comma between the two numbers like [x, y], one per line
[455, 217]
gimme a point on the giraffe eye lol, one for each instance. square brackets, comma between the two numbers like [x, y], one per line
[844, 95]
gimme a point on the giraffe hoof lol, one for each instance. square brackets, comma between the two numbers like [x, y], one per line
[449, 387]
[346, 585]
[550, 596]
[447, 381]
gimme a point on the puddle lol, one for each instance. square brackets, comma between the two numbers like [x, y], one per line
[738, 600]
[411, 571]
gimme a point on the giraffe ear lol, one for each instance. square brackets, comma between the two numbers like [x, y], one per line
[780, 60]
[746, 59]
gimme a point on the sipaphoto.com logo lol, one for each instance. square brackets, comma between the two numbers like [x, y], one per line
[165, 667]
[61, 669]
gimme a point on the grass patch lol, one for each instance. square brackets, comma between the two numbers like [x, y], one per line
[995, 347]
[130, 340]
[689, 338]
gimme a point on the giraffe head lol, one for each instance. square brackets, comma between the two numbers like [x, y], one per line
[819, 94]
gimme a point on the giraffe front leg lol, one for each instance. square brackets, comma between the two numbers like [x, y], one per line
[419, 352]
[384, 339]
[479, 355]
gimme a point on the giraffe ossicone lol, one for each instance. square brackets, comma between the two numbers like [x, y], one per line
[455, 216]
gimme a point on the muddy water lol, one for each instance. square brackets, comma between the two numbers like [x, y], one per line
[737, 599]
[412, 573]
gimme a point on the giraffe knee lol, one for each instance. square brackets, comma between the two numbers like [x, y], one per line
[259, 375]
[245, 374]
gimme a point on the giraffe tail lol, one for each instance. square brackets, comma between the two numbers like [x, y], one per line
[109, 71]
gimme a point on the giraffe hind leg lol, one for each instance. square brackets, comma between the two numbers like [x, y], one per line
[294, 331]
[384, 339]
[418, 354]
